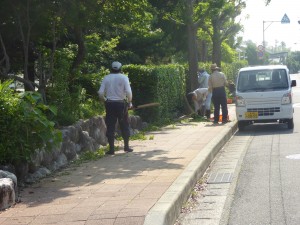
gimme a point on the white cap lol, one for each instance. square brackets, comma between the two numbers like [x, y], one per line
[116, 65]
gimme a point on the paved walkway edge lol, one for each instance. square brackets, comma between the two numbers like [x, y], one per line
[167, 209]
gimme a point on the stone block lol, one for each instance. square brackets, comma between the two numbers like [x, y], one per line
[7, 193]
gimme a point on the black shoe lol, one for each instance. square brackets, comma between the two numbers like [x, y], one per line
[110, 152]
[128, 150]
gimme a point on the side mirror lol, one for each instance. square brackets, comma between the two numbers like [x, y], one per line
[294, 83]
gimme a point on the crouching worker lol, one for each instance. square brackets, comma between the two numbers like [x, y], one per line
[199, 97]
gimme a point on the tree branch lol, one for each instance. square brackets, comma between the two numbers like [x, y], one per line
[5, 57]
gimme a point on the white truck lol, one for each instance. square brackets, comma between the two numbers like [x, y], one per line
[264, 95]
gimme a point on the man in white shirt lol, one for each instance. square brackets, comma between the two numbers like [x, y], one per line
[115, 90]
[199, 96]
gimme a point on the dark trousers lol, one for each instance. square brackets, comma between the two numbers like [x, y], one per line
[219, 99]
[117, 111]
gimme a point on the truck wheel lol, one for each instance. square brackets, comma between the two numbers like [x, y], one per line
[290, 124]
[241, 125]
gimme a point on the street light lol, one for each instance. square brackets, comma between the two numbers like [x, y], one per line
[284, 20]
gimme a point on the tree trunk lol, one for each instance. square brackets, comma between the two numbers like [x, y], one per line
[192, 47]
[5, 60]
[193, 57]
[31, 60]
[26, 40]
[216, 39]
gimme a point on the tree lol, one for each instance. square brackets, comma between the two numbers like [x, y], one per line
[293, 62]
[31, 30]
[216, 18]
[141, 31]
[19, 31]
[185, 15]
[221, 25]
[251, 53]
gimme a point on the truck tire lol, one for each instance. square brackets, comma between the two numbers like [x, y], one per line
[241, 125]
[290, 123]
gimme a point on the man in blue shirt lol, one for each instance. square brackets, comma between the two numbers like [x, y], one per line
[203, 77]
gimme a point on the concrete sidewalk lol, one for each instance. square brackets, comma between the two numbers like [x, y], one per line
[148, 186]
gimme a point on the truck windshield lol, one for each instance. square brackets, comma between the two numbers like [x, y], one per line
[262, 80]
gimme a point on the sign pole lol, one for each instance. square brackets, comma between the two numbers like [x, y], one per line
[285, 19]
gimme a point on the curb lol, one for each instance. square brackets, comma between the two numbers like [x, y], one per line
[167, 208]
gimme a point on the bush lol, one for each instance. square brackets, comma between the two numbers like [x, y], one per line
[74, 95]
[24, 126]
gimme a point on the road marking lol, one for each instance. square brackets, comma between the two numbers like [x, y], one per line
[296, 156]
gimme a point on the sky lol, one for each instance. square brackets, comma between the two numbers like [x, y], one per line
[257, 13]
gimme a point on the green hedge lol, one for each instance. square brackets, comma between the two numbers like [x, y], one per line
[164, 84]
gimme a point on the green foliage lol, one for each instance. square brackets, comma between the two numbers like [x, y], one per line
[151, 127]
[138, 136]
[228, 53]
[100, 53]
[62, 92]
[163, 84]
[89, 155]
[90, 107]
[198, 118]
[24, 126]
[231, 69]
[89, 103]
[293, 62]
[77, 98]
[251, 53]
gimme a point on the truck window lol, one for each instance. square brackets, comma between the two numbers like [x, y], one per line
[261, 80]
[279, 79]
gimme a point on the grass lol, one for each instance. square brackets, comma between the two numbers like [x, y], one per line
[138, 136]
[90, 156]
[151, 137]
[197, 118]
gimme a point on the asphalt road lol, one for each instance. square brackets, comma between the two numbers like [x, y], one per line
[268, 186]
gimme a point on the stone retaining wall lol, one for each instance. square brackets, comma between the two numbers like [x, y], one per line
[85, 135]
